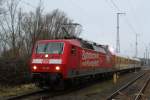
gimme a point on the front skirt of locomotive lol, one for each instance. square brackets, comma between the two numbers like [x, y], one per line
[46, 80]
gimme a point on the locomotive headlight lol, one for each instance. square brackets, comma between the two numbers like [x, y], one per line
[57, 68]
[34, 67]
[46, 55]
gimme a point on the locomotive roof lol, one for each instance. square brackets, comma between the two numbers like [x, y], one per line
[72, 41]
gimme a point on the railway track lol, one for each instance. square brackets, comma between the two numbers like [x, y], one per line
[18, 97]
[133, 90]
[47, 94]
[139, 95]
[38, 95]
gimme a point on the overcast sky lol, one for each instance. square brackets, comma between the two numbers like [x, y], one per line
[98, 18]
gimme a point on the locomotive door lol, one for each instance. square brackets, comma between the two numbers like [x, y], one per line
[74, 59]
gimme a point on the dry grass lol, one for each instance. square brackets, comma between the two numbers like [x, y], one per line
[17, 90]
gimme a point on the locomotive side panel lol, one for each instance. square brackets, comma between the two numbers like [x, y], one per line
[89, 62]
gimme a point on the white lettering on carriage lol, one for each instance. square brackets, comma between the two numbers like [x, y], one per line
[89, 55]
[89, 59]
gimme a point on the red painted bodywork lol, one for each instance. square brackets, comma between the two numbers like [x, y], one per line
[79, 60]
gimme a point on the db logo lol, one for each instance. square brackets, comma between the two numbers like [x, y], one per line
[45, 61]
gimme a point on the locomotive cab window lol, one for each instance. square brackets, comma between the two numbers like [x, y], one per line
[73, 50]
[50, 48]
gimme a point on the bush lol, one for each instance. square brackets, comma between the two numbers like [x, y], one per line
[14, 71]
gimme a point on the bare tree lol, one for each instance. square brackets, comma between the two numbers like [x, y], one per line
[32, 27]
[2, 10]
[11, 27]
[1, 7]
[53, 23]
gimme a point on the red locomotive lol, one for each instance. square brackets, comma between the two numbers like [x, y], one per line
[55, 61]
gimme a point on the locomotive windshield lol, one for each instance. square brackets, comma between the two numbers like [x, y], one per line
[50, 48]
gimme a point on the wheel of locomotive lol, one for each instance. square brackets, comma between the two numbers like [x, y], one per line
[39, 84]
[42, 85]
[59, 85]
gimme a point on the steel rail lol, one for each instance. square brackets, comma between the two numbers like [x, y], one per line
[142, 89]
[123, 87]
[24, 95]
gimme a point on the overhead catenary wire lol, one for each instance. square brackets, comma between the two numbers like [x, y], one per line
[126, 19]
[130, 25]
[114, 4]
[132, 8]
